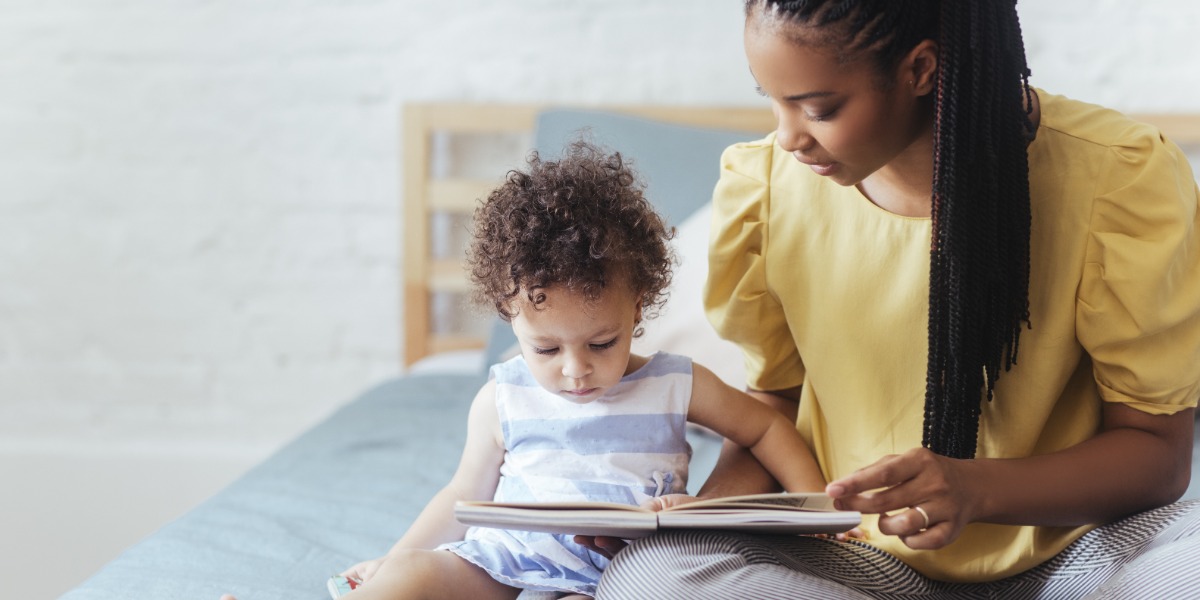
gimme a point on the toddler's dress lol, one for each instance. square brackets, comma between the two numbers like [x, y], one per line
[626, 446]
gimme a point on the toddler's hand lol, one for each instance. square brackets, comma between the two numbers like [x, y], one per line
[668, 501]
[364, 570]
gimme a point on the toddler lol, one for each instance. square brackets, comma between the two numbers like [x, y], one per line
[574, 257]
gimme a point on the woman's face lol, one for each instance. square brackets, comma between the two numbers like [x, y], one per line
[843, 120]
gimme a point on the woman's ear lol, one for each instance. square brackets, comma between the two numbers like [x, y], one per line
[918, 68]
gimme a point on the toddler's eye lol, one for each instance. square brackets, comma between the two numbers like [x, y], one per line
[605, 345]
[545, 350]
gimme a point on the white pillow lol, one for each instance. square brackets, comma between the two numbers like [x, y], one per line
[681, 327]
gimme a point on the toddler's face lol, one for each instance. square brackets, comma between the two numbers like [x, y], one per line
[575, 348]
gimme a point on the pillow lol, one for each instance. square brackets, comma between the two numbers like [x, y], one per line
[681, 327]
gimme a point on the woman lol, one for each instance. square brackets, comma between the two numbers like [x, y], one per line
[979, 301]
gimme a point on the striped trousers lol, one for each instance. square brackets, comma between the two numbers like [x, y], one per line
[1153, 555]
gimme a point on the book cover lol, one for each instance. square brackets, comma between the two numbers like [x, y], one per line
[758, 513]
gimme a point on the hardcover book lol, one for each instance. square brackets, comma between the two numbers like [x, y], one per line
[757, 513]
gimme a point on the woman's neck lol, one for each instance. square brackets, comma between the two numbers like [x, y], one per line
[904, 186]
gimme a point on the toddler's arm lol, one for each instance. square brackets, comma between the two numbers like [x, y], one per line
[475, 479]
[751, 424]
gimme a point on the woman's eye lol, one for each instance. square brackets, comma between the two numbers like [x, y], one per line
[545, 350]
[605, 345]
[825, 116]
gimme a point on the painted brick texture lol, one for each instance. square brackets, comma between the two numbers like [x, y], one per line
[199, 200]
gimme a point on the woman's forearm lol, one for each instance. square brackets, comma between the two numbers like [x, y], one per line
[737, 471]
[1124, 469]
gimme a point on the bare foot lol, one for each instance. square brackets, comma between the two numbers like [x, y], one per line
[228, 597]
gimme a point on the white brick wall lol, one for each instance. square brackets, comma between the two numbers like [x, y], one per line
[199, 200]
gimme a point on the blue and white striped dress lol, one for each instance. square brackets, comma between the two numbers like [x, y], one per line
[626, 446]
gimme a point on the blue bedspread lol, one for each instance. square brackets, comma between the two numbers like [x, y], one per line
[340, 493]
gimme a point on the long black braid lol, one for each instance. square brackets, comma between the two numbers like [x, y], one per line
[979, 255]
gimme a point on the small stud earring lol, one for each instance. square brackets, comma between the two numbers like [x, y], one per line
[911, 82]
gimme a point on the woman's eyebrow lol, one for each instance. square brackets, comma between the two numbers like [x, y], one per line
[807, 96]
[797, 97]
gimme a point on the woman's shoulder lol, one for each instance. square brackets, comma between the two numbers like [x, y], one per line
[1066, 121]
[751, 159]
[1097, 150]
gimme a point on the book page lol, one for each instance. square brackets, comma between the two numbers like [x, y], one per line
[782, 501]
[621, 521]
[555, 505]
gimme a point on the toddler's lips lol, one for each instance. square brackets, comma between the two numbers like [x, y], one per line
[581, 392]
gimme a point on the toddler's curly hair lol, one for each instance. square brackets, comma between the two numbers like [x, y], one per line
[580, 221]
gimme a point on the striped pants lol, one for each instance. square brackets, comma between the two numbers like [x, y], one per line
[1152, 555]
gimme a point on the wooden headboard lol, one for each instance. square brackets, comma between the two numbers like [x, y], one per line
[426, 195]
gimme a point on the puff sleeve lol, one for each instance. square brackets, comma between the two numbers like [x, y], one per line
[1138, 303]
[737, 299]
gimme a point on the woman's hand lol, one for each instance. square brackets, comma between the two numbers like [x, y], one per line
[610, 546]
[923, 498]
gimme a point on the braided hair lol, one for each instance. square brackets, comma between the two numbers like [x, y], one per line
[979, 254]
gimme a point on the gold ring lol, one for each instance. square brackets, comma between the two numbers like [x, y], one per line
[924, 514]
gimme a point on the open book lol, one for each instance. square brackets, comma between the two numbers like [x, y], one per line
[757, 513]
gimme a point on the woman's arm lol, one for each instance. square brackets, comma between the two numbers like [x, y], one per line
[762, 450]
[1137, 462]
[718, 406]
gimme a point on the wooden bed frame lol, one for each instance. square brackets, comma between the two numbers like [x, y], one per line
[425, 196]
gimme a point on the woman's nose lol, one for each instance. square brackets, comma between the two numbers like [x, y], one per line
[791, 135]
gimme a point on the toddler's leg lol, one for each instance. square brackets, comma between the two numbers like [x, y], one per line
[431, 574]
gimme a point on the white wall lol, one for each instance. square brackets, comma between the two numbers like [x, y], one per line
[199, 223]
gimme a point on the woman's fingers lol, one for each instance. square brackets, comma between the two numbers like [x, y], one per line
[603, 545]
[886, 472]
[921, 497]
[909, 521]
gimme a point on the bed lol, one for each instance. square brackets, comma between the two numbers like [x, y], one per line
[346, 489]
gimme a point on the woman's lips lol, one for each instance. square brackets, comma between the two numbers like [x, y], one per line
[820, 168]
[824, 169]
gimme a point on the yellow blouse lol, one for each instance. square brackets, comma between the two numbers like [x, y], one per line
[821, 287]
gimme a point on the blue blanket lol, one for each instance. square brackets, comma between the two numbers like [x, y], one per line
[340, 493]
